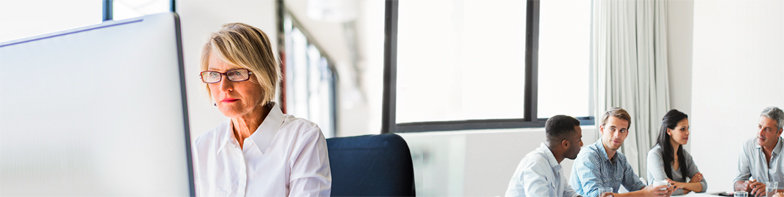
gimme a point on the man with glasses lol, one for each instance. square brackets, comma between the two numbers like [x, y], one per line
[761, 156]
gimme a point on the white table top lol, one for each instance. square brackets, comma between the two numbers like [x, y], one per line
[708, 193]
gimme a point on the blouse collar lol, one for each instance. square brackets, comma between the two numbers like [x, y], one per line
[263, 135]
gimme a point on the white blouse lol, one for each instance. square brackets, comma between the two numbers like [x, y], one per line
[286, 156]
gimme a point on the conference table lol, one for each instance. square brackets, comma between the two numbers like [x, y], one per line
[708, 193]
[692, 194]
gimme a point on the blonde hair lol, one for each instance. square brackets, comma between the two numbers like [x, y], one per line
[248, 47]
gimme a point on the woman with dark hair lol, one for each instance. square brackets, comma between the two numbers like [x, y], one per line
[668, 161]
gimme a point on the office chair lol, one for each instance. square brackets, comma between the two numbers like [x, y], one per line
[371, 165]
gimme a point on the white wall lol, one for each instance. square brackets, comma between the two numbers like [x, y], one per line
[738, 70]
[199, 18]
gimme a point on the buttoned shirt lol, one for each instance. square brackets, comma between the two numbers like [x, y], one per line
[285, 156]
[752, 163]
[539, 174]
[593, 170]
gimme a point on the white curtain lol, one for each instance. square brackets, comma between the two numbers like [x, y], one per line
[629, 58]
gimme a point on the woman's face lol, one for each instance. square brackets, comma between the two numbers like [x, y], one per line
[233, 99]
[680, 135]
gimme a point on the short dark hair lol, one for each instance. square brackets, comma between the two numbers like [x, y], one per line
[559, 126]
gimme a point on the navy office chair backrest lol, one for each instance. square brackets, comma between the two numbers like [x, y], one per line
[371, 165]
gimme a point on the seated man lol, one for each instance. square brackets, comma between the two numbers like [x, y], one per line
[761, 156]
[540, 173]
[600, 165]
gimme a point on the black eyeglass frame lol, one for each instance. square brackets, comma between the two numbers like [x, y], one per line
[201, 75]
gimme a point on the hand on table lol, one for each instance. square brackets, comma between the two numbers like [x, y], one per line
[657, 191]
[755, 188]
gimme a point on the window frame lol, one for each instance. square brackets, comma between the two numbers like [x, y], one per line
[282, 14]
[108, 9]
[529, 120]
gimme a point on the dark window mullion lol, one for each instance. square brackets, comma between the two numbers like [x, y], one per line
[531, 61]
[389, 111]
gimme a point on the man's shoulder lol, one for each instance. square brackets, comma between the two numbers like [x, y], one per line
[749, 145]
[588, 154]
[534, 158]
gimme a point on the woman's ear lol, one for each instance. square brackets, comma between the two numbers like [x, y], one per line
[669, 131]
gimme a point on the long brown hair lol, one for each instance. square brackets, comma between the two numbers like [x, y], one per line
[670, 121]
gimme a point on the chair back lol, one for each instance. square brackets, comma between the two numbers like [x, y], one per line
[371, 165]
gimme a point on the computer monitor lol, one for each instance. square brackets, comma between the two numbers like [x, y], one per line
[97, 110]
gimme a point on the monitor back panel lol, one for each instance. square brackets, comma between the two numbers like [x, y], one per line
[98, 111]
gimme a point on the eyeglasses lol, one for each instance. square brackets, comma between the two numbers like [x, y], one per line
[234, 75]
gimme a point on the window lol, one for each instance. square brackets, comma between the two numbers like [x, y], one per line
[308, 79]
[21, 19]
[457, 65]
[564, 58]
[123, 9]
[460, 60]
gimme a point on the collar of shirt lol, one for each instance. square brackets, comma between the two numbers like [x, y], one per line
[776, 149]
[263, 135]
[547, 153]
[603, 153]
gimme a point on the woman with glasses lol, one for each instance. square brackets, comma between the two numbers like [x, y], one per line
[667, 161]
[258, 151]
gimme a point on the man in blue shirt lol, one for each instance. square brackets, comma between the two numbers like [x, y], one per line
[761, 157]
[601, 165]
[540, 173]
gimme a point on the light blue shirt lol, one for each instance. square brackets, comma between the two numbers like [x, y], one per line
[593, 169]
[752, 163]
[539, 174]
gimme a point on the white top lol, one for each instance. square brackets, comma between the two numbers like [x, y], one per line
[286, 156]
[539, 174]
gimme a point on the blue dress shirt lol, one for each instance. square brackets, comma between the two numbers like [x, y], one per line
[593, 170]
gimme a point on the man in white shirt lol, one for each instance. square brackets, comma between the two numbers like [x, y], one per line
[540, 173]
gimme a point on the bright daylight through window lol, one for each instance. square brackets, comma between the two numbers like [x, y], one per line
[465, 60]
[460, 60]
[21, 19]
[123, 9]
[564, 58]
